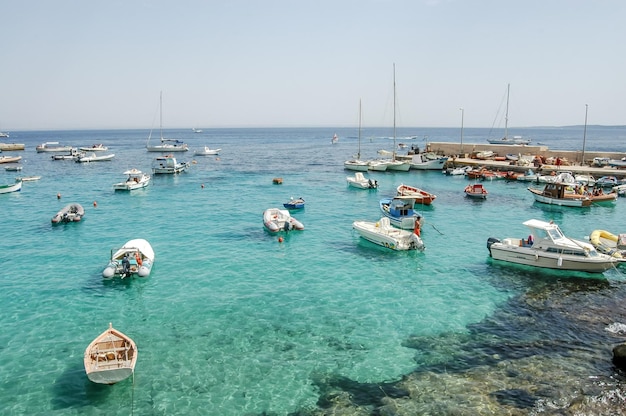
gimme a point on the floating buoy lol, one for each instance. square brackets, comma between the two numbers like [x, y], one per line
[217, 158]
[95, 204]
[59, 196]
[202, 186]
[280, 239]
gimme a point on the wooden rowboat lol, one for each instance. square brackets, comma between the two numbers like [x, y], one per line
[111, 357]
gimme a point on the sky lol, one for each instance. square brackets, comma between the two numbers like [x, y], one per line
[75, 64]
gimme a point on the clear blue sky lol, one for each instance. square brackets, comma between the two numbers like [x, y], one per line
[71, 64]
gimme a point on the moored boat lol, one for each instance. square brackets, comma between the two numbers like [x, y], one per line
[135, 258]
[168, 164]
[94, 148]
[420, 195]
[92, 157]
[400, 211]
[476, 190]
[361, 182]
[383, 234]
[10, 159]
[16, 187]
[555, 194]
[136, 179]
[110, 357]
[294, 203]
[52, 147]
[275, 220]
[70, 213]
[608, 243]
[547, 247]
[206, 151]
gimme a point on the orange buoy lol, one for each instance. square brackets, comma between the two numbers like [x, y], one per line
[59, 196]
[280, 239]
[95, 203]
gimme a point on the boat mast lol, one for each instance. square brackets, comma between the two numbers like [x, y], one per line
[161, 115]
[506, 117]
[358, 154]
[394, 111]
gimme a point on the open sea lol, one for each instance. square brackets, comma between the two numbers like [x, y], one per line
[233, 322]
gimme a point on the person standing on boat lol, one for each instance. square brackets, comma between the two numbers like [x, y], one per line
[125, 266]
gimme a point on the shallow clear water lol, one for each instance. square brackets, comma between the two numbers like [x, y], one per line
[233, 322]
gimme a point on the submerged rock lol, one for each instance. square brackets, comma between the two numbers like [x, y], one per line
[619, 356]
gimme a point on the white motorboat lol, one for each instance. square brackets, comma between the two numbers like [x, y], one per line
[400, 211]
[166, 145]
[110, 357]
[52, 147]
[92, 157]
[136, 257]
[94, 148]
[427, 161]
[206, 151]
[361, 182]
[547, 247]
[476, 190]
[16, 187]
[136, 179]
[72, 155]
[168, 164]
[383, 234]
[356, 163]
[70, 213]
[276, 219]
[10, 159]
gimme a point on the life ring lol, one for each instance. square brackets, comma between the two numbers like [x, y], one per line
[138, 258]
[416, 229]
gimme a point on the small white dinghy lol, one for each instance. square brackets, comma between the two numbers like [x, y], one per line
[70, 213]
[136, 257]
[275, 220]
[111, 357]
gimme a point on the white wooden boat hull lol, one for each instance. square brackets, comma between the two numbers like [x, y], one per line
[566, 202]
[110, 357]
[383, 234]
[357, 166]
[16, 187]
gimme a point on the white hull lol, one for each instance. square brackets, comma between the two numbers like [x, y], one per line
[398, 165]
[16, 187]
[565, 202]
[383, 234]
[377, 165]
[547, 247]
[356, 165]
[110, 358]
[207, 152]
[94, 158]
[359, 181]
[52, 147]
[168, 148]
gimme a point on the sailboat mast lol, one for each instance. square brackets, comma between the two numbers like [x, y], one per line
[161, 115]
[394, 111]
[506, 117]
[358, 155]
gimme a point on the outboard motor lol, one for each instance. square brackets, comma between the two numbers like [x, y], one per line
[287, 226]
[490, 241]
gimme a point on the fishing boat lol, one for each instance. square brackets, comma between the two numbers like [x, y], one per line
[16, 187]
[476, 191]
[395, 164]
[275, 220]
[70, 213]
[420, 195]
[168, 164]
[547, 247]
[359, 181]
[135, 258]
[294, 203]
[166, 145]
[400, 211]
[515, 140]
[136, 180]
[608, 243]
[555, 194]
[111, 357]
[206, 151]
[426, 161]
[383, 234]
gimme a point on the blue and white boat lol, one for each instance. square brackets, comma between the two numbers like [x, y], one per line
[294, 203]
[400, 211]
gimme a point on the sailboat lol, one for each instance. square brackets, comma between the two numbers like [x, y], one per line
[506, 139]
[393, 163]
[167, 145]
[356, 163]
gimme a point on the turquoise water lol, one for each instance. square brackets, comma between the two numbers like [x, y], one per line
[231, 321]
